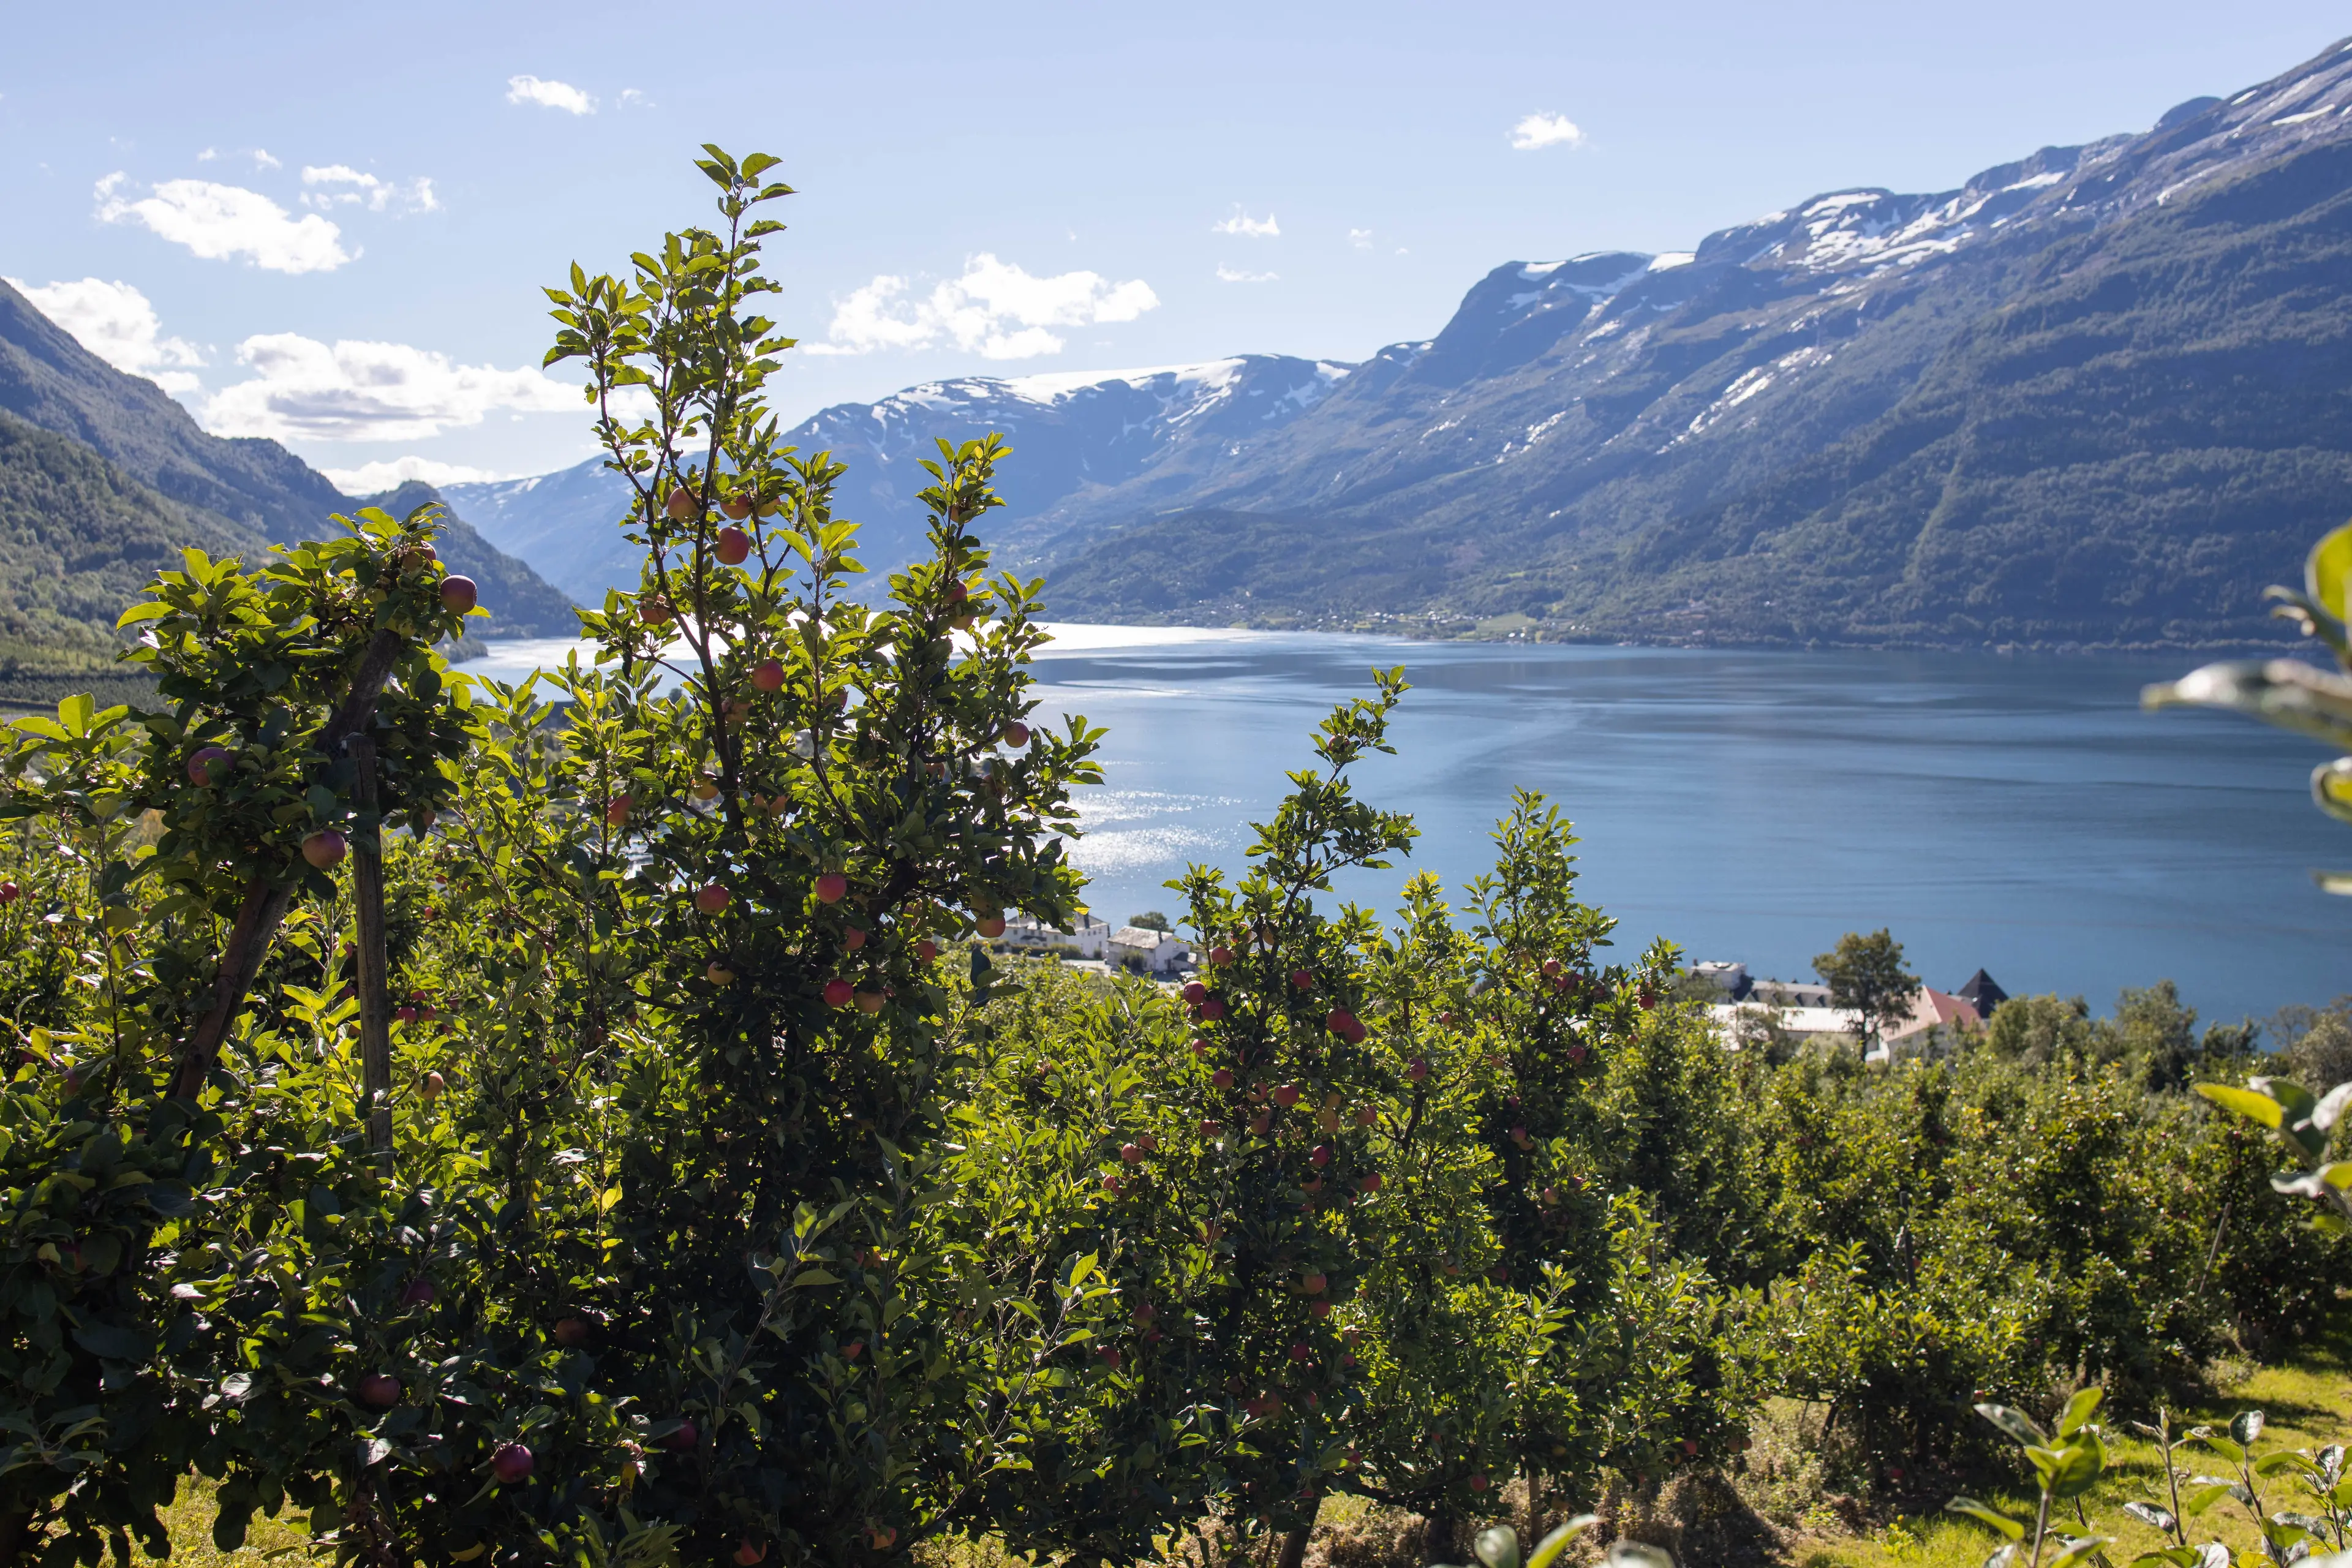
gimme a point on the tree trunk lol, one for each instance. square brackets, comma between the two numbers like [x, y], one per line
[265, 907]
[1293, 1547]
[1437, 1536]
[375, 1000]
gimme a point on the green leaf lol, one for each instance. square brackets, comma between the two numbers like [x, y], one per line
[2020, 1426]
[2079, 1409]
[1552, 1545]
[1497, 1546]
[2079, 1547]
[2154, 1518]
[2327, 568]
[2246, 1426]
[1989, 1514]
[2255, 1107]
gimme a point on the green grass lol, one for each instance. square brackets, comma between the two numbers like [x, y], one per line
[2307, 1403]
[190, 1522]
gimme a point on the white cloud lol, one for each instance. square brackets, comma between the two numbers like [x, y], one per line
[560, 95]
[1546, 130]
[221, 222]
[1235, 275]
[114, 321]
[1361, 239]
[262, 159]
[339, 185]
[633, 99]
[1250, 228]
[371, 479]
[208, 154]
[995, 310]
[303, 389]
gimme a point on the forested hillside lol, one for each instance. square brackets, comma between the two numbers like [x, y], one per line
[124, 477]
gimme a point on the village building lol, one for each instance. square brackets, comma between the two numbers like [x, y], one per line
[1753, 1010]
[1085, 938]
[1153, 952]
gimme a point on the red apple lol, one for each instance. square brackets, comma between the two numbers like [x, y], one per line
[653, 610]
[1301, 1351]
[683, 503]
[419, 1293]
[1213, 1009]
[1321, 1157]
[837, 993]
[510, 1464]
[1551, 967]
[733, 546]
[1287, 1095]
[853, 938]
[831, 888]
[1016, 734]
[210, 765]
[434, 1084]
[1366, 1116]
[404, 1015]
[572, 1331]
[458, 594]
[10, 892]
[616, 810]
[1417, 1069]
[1302, 980]
[1130, 1152]
[1369, 1182]
[1313, 1284]
[870, 1002]
[927, 950]
[768, 676]
[1221, 956]
[1109, 1183]
[1149, 1140]
[883, 1536]
[1210, 1127]
[1477, 1483]
[1110, 1357]
[1339, 1021]
[1320, 1309]
[712, 899]
[1195, 994]
[325, 848]
[747, 1552]
[380, 1389]
[1222, 1078]
[737, 506]
[718, 973]
[991, 927]
[685, 1437]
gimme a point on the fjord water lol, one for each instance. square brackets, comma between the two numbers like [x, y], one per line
[2017, 813]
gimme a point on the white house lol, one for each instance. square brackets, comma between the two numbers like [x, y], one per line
[1089, 938]
[1157, 952]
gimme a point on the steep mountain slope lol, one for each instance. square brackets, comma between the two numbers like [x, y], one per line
[2099, 395]
[253, 488]
[78, 538]
[1073, 436]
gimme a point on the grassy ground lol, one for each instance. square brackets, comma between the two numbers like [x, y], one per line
[2307, 1403]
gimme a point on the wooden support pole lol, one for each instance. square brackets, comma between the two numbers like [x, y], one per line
[375, 998]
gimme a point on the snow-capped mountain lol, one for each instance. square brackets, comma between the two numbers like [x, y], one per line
[2102, 393]
[1075, 433]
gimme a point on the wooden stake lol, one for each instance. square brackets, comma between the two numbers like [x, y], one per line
[375, 1000]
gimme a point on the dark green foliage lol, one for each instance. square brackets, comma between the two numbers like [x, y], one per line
[212, 491]
[79, 538]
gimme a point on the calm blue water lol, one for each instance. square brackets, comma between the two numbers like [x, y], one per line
[2021, 814]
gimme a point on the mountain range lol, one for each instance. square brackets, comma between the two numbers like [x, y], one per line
[2099, 395]
[104, 479]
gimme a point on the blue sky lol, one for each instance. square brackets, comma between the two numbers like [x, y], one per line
[329, 223]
